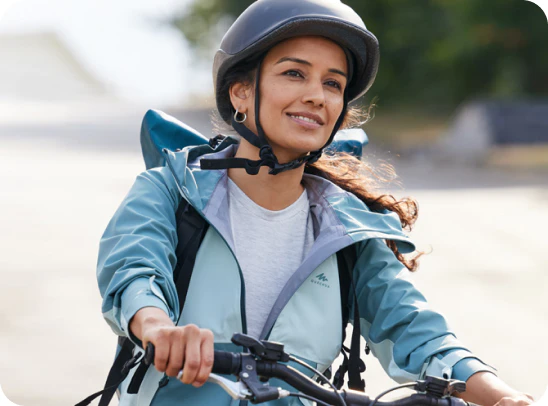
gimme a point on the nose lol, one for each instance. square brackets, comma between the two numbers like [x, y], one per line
[314, 94]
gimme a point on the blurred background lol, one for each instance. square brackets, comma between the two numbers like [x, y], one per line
[461, 112]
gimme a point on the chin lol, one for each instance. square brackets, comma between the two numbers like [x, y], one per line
[297, 143]
[308, 144]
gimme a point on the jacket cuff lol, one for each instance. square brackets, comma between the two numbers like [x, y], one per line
[467, 367]
[142, 292]
[458, 364]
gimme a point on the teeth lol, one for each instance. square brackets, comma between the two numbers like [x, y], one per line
[305, 119]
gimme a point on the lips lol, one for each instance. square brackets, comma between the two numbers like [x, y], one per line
[307, 117]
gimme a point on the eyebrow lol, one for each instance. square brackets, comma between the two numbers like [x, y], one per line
[303, 62]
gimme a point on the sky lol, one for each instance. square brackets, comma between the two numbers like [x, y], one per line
[120, 42]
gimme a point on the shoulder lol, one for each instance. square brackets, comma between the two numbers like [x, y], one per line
[156, 185]
[354, 217]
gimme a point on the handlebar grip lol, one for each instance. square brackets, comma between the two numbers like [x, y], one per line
[148, 358]
[226, 363]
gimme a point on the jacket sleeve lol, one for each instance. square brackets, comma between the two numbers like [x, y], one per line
[409, 339]
[137, 252]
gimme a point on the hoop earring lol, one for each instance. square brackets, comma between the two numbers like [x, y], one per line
[236, 117]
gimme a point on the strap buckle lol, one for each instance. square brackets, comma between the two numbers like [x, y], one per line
[131, 363]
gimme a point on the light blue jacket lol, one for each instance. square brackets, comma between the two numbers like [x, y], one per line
[137, 255]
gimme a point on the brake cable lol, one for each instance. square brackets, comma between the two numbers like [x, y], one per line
[304, 364]
[405, 385]
[313, 399]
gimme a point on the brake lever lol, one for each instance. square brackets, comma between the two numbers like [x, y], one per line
[237, 390]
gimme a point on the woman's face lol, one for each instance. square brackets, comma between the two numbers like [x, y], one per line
[301, 93]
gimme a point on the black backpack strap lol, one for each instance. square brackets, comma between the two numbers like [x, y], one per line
[137, 378]
[338, 379]
[191, 230]
[355, 364]
[346, 259]
[344, 262]
[123, 363]
[344, 284]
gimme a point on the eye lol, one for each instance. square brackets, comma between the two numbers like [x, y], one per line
[294, 73]
[334, 83]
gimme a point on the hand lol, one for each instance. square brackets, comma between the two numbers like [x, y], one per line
[176, 347]
[521, 399]
[187, 345]
[485, 388]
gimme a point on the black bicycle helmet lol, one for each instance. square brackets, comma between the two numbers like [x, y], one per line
[268, 22]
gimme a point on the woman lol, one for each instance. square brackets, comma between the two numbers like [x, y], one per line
[284, 76]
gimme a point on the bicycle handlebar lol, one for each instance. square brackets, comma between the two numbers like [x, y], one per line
[228, 363]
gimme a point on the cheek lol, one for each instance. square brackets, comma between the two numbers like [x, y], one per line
[280, 96]
[273, 105]
[335, 106]
[334, 103]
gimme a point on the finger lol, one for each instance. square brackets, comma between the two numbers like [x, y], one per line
[522, 400]
[191, 354]
[516, 401]
[161, 353]
[207, 354]
[176, 357]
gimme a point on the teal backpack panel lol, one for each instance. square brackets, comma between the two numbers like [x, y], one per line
[160, 130]
[351, 141]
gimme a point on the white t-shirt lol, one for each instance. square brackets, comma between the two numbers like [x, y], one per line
[270, 246]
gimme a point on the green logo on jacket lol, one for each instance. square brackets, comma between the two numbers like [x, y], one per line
[322, 277]
[320, 280]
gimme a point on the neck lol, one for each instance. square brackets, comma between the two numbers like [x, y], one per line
[272, 192]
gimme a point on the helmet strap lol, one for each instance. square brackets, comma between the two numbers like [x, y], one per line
[260, 131]
[246, 133]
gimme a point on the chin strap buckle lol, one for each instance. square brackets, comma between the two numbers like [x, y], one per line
[267, 155]
[314, 156]
[309, 159]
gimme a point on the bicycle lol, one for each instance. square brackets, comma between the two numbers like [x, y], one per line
[267, 360]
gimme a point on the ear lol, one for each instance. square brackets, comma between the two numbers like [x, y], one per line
[241, 96]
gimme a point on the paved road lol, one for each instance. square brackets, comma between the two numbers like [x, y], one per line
[487, 271]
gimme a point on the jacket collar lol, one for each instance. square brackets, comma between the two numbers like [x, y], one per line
[334, 210]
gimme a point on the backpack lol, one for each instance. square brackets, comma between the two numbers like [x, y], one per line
[161, 131]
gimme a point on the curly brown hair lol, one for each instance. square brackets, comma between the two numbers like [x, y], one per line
[347, 171]
[365, 182]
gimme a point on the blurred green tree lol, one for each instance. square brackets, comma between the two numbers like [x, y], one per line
[434, 53]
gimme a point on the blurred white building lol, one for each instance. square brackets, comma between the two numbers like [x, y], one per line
[38, 67]
[42, 81]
